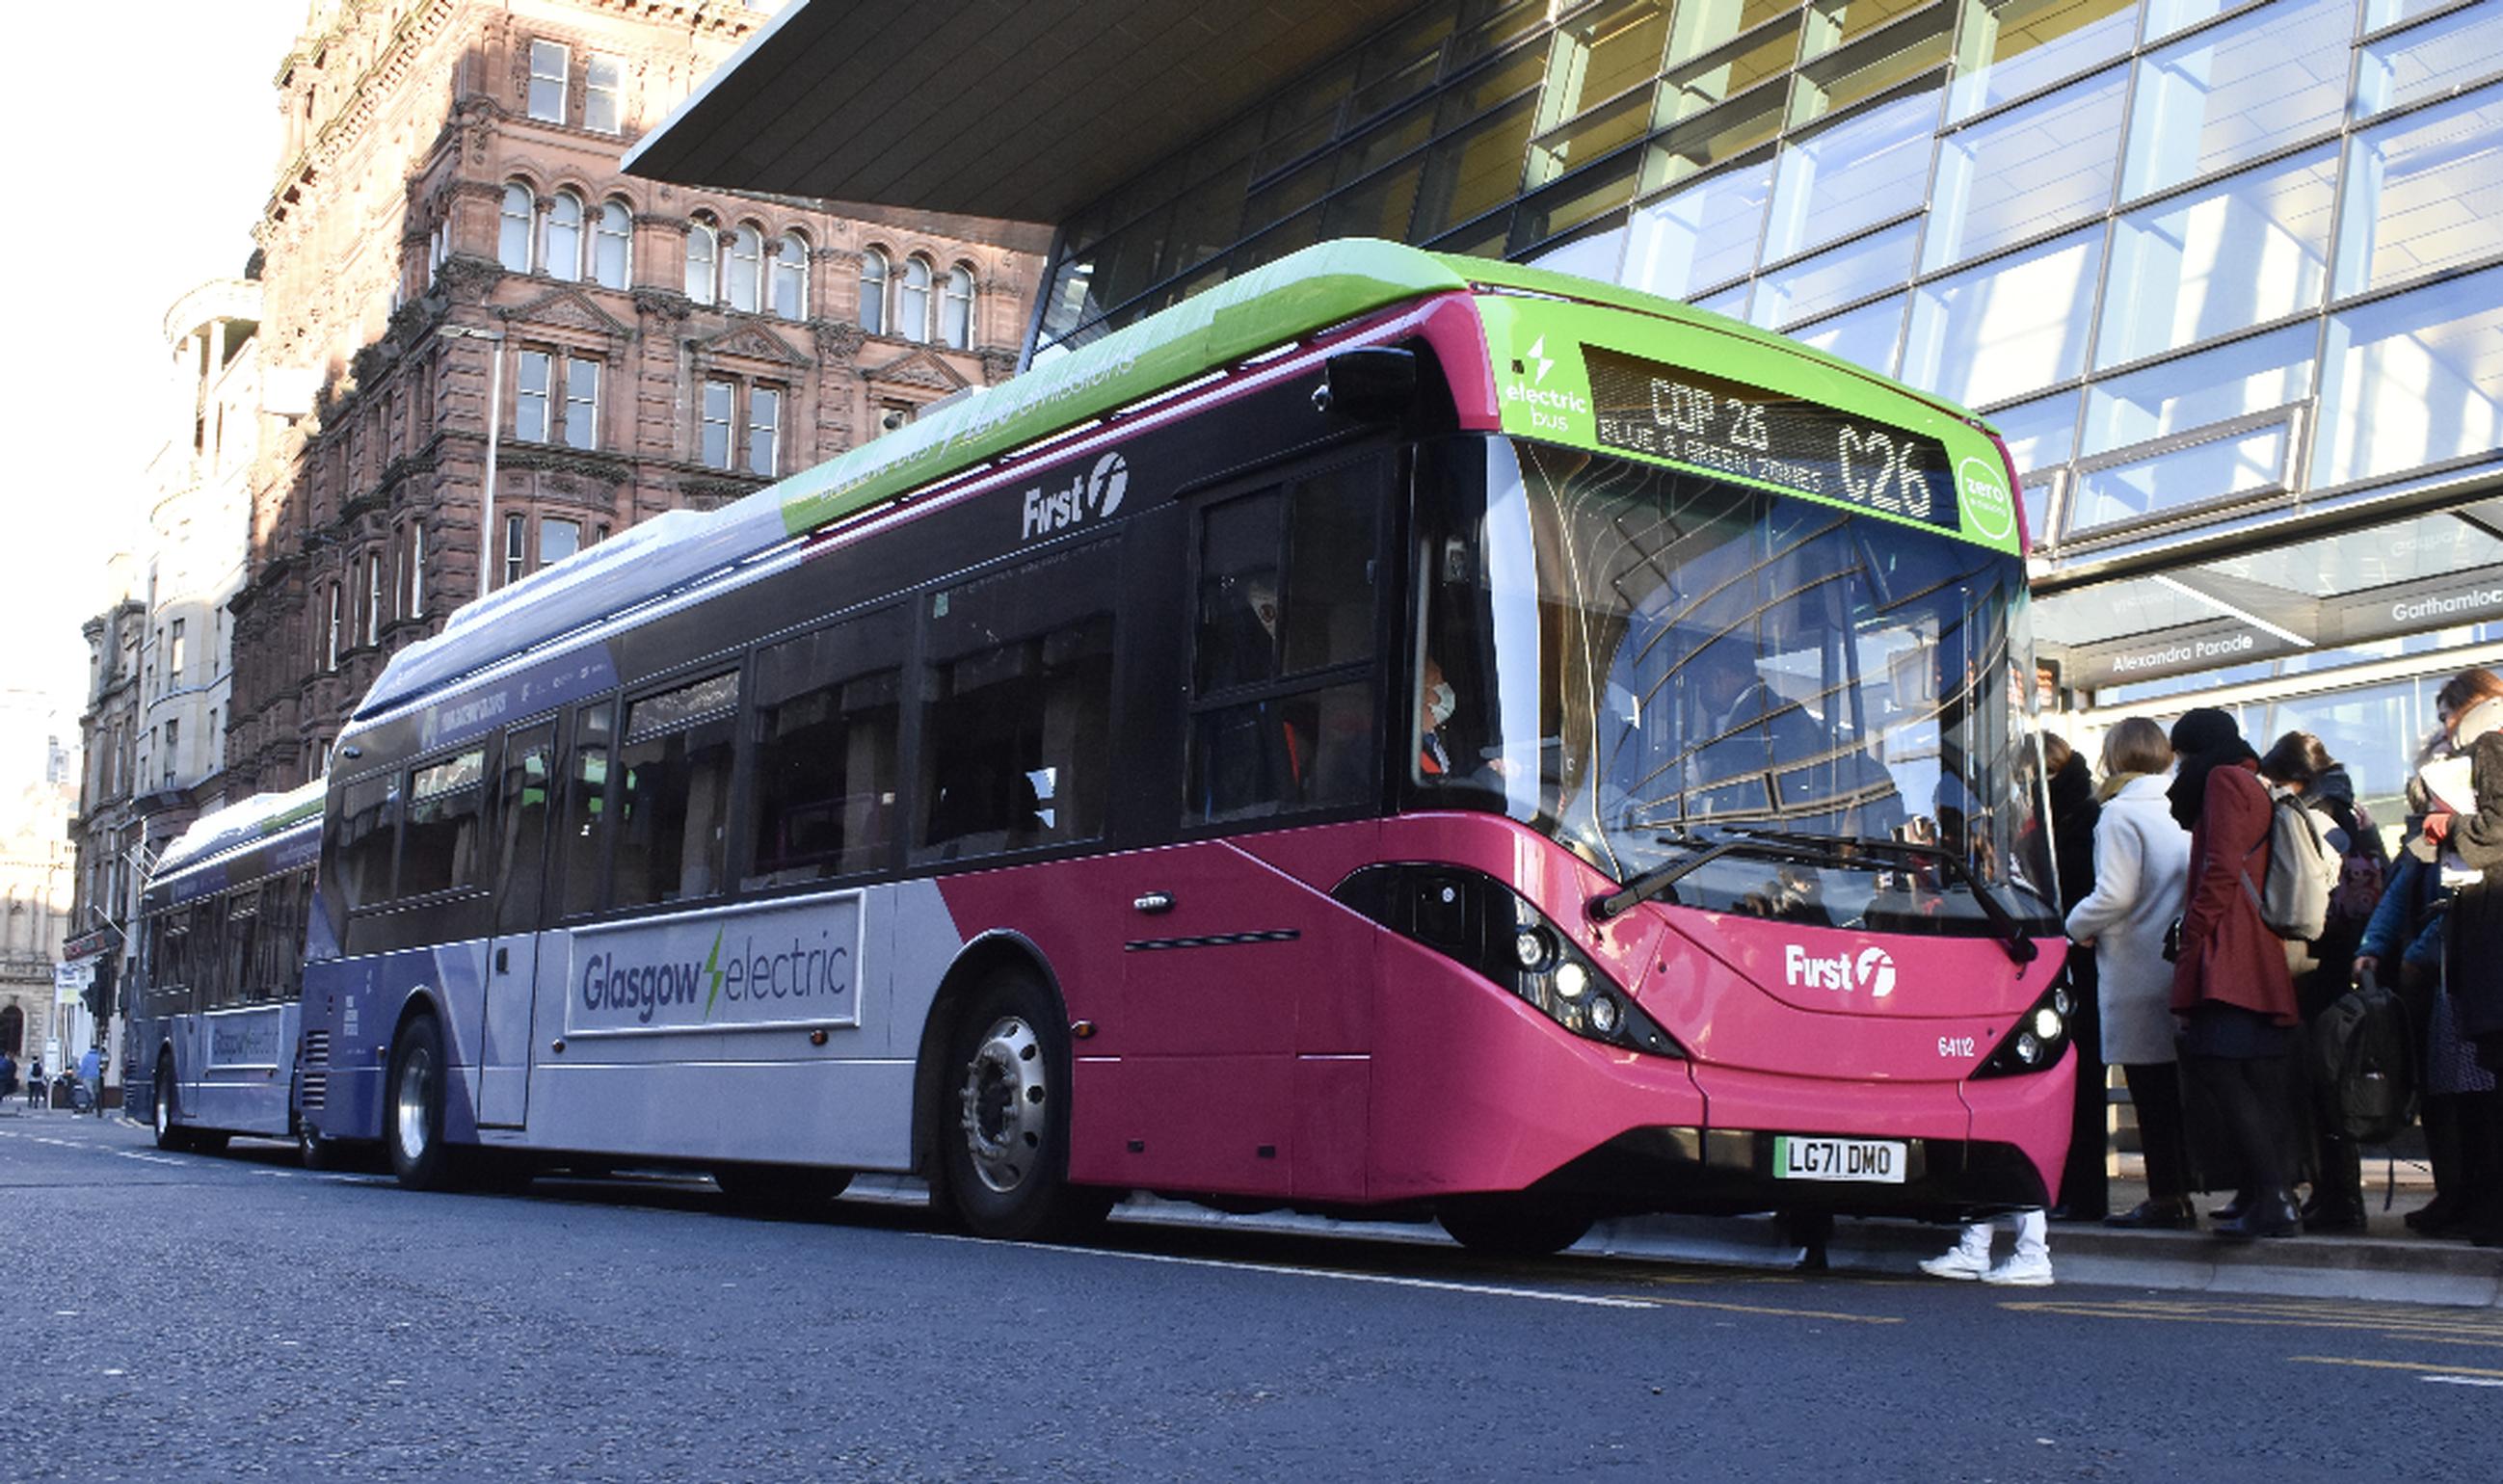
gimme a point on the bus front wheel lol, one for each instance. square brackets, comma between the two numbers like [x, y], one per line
[168, 1136]
[1512, 1225]
[413, 1108]
[1003, 1134]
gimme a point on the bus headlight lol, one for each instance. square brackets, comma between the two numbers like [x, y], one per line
[1477, 920]
[2040, 1034]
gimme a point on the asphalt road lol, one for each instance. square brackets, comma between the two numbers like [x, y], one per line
[233, 1316]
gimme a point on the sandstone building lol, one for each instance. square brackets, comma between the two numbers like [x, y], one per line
[457, 279]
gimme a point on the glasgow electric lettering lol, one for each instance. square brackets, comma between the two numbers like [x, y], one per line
[1710, 422]
[721, 971]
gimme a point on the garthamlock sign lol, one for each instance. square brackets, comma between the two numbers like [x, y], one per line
[793, 963]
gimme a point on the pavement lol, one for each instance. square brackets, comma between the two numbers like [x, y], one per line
[2387, 1265]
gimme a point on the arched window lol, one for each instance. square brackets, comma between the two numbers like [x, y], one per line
[612, 249]
[746, 268]
[956, 309]
[704, 249]
[912, 300]
[791, 277]
[513, 229]
[872, 295]
[561, 248]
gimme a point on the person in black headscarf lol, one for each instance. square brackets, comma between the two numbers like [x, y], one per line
[2230, 982]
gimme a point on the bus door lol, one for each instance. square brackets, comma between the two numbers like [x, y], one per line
[1245, 996]
[512, 952]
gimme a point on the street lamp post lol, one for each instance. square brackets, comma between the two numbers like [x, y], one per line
[494, 433]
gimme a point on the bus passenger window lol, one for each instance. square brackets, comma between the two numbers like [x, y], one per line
[362, 837]
[584, 844]
[242, 983]
[826, 721]
[1017, 707]
[674, 791]
[1283, 718]
[439, 847]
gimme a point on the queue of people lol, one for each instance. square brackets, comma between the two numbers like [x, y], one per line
[2214, 1018]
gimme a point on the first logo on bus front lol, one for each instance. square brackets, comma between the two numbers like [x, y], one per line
[1089, 496]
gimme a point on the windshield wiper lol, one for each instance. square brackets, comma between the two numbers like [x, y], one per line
[1662, 880]
[2012, 938]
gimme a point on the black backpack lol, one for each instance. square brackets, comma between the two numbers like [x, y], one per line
[2366, 1053]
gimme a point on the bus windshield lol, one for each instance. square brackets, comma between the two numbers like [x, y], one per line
[1644, 664]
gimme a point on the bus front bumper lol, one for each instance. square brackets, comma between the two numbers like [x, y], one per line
[1733, 1172]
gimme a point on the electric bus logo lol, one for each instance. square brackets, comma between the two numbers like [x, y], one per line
[1090, 496]
[1870, 971]
[1985, 498]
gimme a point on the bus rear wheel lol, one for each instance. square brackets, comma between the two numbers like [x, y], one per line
[413, 1108]
[1513, 1225]
[1003, 1120]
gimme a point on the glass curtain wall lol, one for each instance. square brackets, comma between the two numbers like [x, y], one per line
[2207, 264]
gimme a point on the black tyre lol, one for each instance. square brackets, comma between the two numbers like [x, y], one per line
[781, 1189]
[413, 1108]
[1513, 1225]
[312, 1150]
[1001, 1131]
[169, 1134]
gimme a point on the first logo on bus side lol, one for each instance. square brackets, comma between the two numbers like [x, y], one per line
[1090, 496]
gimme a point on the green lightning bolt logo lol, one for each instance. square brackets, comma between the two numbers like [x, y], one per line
[713, 972]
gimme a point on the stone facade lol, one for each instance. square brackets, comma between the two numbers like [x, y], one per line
[451, 226]
[36, 871]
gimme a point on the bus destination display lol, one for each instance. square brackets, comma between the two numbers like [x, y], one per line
[1710, 422]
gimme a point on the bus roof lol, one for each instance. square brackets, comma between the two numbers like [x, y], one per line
[247, 821]
[1274, 305]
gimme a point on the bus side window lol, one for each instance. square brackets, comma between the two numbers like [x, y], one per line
[1283, 714]
[674, 791]
[242, 985]
[827, 713]
[584, 844]
[361, 842]
[439, 847]
[207, 954]
[1016, 693]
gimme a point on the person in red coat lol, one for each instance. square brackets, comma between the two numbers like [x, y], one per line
[2230, 984]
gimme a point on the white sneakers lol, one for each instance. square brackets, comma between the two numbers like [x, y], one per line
[2018, 1272]
[1956, 1263]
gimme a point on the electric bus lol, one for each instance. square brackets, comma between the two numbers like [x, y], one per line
[214, 1010]
[1393, 733]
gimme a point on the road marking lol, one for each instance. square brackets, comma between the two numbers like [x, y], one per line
[2432, 1325]
[274, 1174]
[1758, 1308]
[2429, 1368]
[2463, 1380]
[1438, 1285]
[153, 1159]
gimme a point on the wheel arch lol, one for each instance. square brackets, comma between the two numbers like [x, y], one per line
[986, 954]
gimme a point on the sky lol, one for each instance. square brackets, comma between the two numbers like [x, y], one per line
[136, 178]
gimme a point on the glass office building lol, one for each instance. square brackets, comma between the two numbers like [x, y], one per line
[2229, 278]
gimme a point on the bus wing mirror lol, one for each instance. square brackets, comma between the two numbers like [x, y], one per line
[1372, 385]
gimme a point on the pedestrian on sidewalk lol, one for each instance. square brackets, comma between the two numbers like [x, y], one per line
[91, 1072]
[2230, 984]
[34, 1080]
[2141, 862]
[2300, 769]
[2029, 1266]
[2401, 947]
[2084, 1193]
[2472, 937]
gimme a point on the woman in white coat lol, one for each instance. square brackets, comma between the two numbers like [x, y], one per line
[2141, 870]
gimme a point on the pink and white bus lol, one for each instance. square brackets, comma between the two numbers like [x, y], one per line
[1393, 733]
